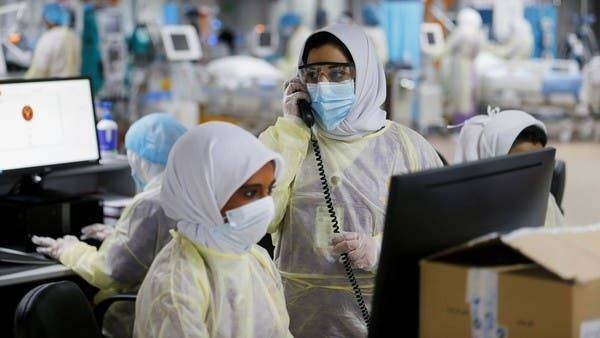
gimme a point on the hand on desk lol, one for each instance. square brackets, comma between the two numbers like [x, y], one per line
[96, 231]
[53, 247]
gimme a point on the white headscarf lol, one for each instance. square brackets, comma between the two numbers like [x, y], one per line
[206, 166]
[467, 148]
[487, 136]
[366, 115]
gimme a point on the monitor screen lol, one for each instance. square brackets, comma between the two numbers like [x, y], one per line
[430, 38]
[264, 39]
[435, 210]
[180, 42]
[46, 123]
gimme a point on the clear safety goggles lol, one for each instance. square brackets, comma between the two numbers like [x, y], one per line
[330, 71]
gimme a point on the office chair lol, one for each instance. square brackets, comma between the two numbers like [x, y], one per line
[60, 309]
[559, 177]
[101, 308]
[53, 310]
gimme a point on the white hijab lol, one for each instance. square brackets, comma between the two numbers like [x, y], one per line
[366, 115]
[206, 166]
[487, 136]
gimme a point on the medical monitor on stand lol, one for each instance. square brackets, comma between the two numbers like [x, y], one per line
[263, 41]
[181, 43]
[432, 39]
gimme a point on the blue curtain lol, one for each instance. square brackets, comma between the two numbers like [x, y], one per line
[401, 21]
[534, 15]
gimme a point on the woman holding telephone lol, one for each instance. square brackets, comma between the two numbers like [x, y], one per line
[330, 204]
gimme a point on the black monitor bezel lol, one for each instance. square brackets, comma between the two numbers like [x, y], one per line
[417, 184]
[45, 169]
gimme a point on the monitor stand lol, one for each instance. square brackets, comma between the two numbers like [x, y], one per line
[30, 189]
[29, 209]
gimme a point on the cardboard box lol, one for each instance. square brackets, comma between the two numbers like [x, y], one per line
[532, 283]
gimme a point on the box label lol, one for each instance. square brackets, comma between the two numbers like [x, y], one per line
[482, 297]
[590, 329]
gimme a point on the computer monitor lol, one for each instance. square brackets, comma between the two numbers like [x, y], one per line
[263, 41]
[435, 210]
[432, 38]
[181, 43]
[46, 124]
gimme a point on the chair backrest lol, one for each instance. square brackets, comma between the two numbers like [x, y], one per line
[559, 177]
[58, 309]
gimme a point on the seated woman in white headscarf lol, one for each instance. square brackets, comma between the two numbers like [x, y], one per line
[211, 279]
[506, 132]
[341, 77]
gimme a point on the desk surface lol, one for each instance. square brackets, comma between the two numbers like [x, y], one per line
[36, 274]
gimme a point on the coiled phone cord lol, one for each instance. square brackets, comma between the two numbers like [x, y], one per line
[336, 229]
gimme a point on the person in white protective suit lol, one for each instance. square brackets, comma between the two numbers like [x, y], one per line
[463, 46]
[589, 96]
[128, 249]
[518, 45]
[294, 33]
[212, 280]
[342, 78]
[58, 51]
[503, 133]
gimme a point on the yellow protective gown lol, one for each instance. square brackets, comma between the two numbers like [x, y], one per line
[121, 263]
[195, 291]
[319, 297]
[212, 280]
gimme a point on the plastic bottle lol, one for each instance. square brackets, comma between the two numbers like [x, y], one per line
[107, 132]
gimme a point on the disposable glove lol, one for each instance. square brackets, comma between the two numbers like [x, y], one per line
[53, 247]
[294, 91]
[96, 231]
[362, 249]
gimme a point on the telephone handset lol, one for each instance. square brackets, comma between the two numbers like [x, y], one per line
[306, 114]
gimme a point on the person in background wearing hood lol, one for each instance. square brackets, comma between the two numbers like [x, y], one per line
[340, 75]
[518, 45]
[58, 51]
[503, 133]
[212, 280]
[128, 249]
[320, 15]
[293, 34]
[372, 26]
[458, 66]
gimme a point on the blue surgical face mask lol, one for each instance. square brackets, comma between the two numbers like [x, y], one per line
[331, 101]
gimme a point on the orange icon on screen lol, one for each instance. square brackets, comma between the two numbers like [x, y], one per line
[27, 113]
